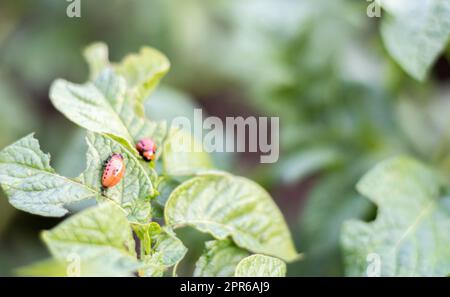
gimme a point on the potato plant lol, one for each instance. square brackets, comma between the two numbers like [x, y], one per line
[131, 229]
[362, 92]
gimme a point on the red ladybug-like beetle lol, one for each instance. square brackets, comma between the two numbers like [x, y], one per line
[114, 171]
[146, 148]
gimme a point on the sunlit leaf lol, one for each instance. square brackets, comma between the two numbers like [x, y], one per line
[143, 71]
[229, 206]
[168, 251]
[410, 234]
[103, 106]
[100, 232]
[261, 266]
[31, 183]
[415, 32]
[219, 258]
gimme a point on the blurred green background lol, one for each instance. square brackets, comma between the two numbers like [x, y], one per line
[319, 65]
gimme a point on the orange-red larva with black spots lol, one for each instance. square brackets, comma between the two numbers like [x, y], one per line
[113, 171]
[146, 148]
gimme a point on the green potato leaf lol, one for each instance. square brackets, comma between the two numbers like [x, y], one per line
[261, 266]
[168, 251]
[101, 227]
[97, 57]
[103, 106]
[219, 259]
[416, 32]
[33, 186]
[142, 71]
[146, 234]
[101, 233]
[410, 234]
[171, 248]
[228, 206]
